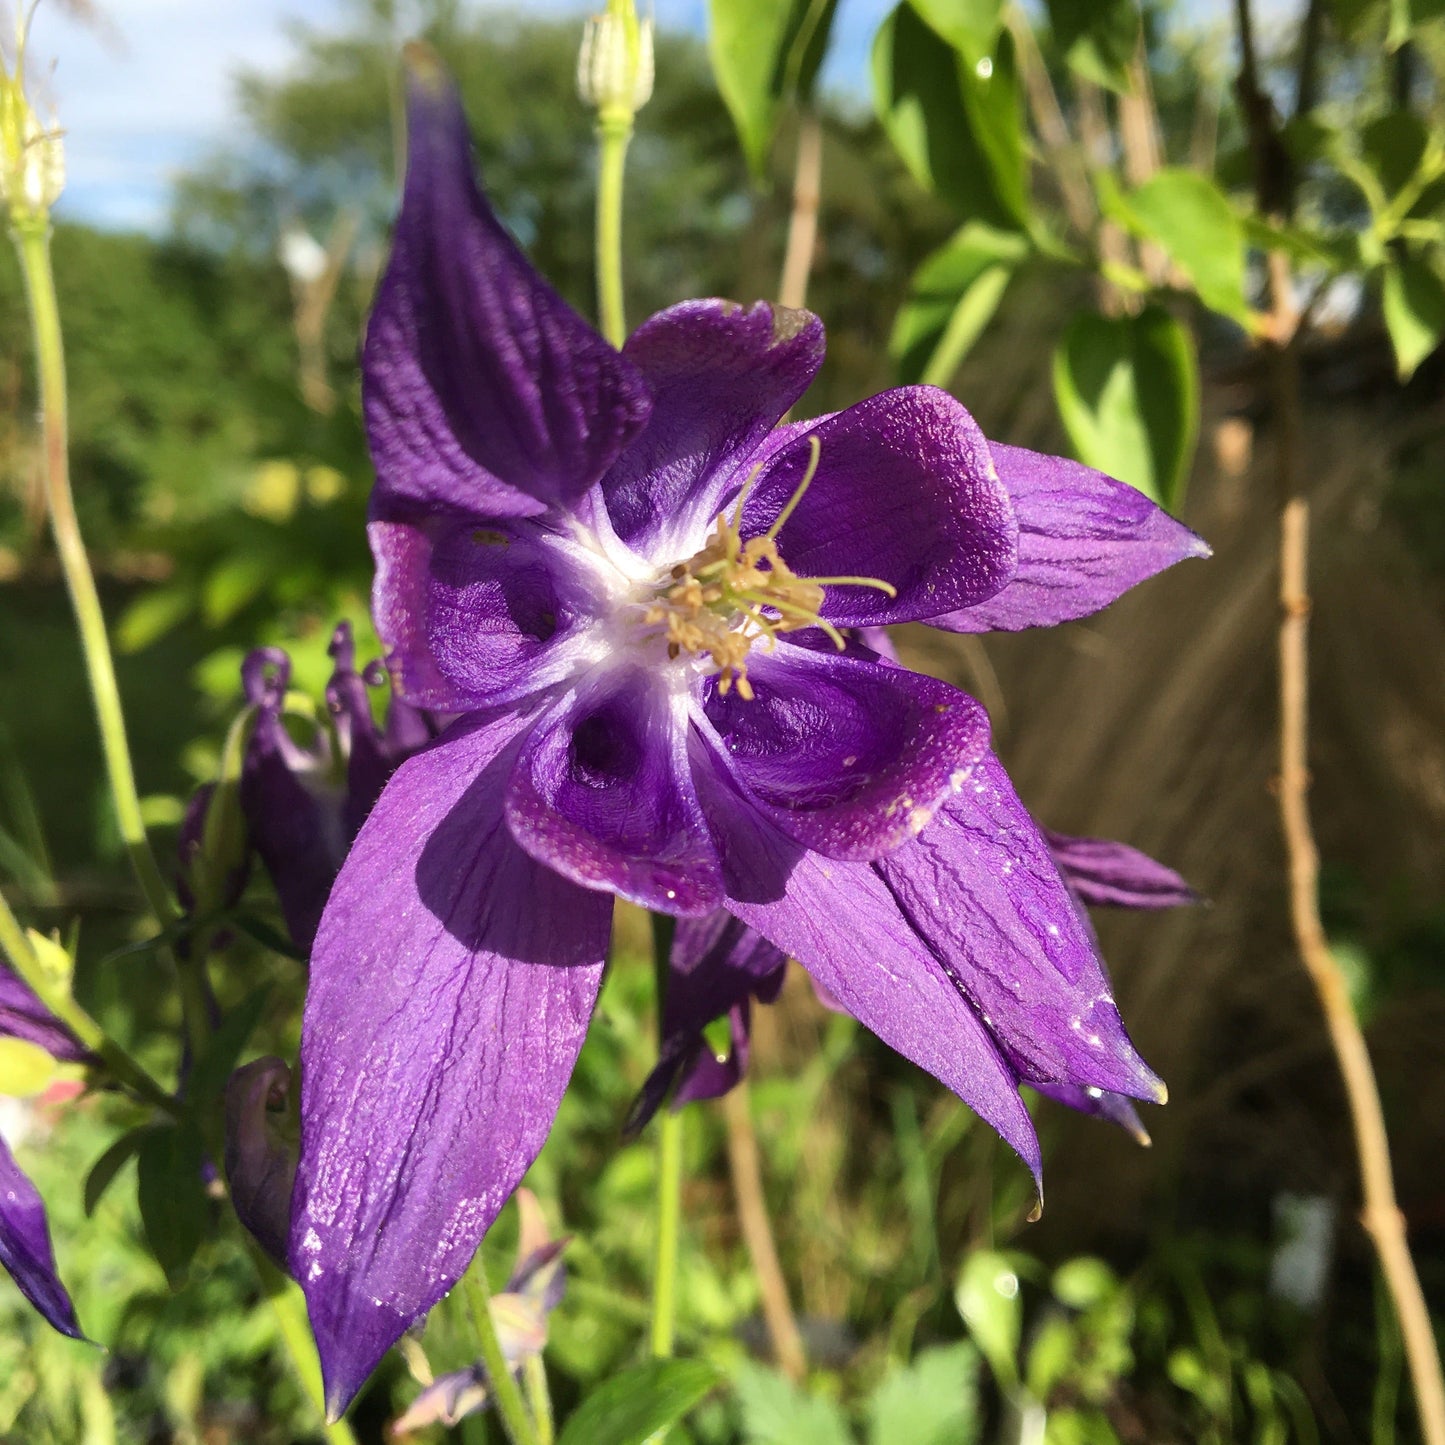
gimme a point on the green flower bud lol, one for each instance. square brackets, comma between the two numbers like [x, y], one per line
[614, 68]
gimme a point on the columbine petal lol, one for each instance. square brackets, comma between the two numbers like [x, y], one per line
[602, 793]
[1113, 875]
[483, 390]
[1084, 539]
[847, 756]
[981, 888]
[451, 985]
[23, 1016]
[25, 1247]
[260, 1160]
[845, 927]
[475, 616]
[905, 491]
[721, 377]
[1114, 1108]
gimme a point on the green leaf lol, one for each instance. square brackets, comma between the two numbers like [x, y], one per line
[765, 52]
[173, 1206]
[1393, 146]
[1097, 37]
[1189, 216]
[152, 615]
[934, 1401]
[635, 1405]
[1353, 16]
[233, 584]
[1128, 392]
[776, 1412]
[104, 1170]
[214, 1067]
[1406, 15]
[970, 26]
[958, 130]
[1414, 310]
[1082, 1282]
[951, 298]
[987, 1296]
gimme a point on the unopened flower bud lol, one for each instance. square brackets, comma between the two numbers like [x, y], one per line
[614, 68]
[32, 156]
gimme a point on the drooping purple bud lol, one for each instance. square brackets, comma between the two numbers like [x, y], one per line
[25, 1249]
[23, 1016]
[260, 1152]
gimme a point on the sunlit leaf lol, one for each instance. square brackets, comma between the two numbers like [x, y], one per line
[987, 1296]
[777, 1412]
[152, 615]
[1128, 393]
[970, 26]
[933, 1401]
[763, 53]
[1414, 305]
[638, 1403]
[1097, 37]
[25, 1068]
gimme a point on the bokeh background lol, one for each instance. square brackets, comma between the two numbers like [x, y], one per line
[215, 256]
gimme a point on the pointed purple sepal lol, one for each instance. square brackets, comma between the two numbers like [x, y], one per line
[1106, 874]
[25, 1248]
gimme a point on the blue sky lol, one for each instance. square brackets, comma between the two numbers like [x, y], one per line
[150, 91]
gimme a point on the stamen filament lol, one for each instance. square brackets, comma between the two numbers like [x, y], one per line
[887, 588]
[815, 448]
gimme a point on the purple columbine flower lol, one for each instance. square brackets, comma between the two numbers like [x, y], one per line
[25, 1248]
[632, 587]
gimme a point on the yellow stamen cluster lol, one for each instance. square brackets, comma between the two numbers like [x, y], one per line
[734, 592]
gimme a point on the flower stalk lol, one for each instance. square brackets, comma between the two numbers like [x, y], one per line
[510, 1405]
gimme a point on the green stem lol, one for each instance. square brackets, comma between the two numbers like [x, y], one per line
[32, 242]
[510, 1406]
[669, 1216]
[539, 1397]
[56, 997]
[614, 131]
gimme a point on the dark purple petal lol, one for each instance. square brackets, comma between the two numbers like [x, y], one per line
[845, 927]
[981, 888]
[721, 377]
[483, 390]
[1113, 875]
[25, 1247]
[23, 1016]
[260, 1160]
[368, 764]
[602, 793]
[1114, 1108]
[451, 985]
[475, 617]
[295, 810]
[717, 966]
[849, 757]
[905, 491]
[1084, 539]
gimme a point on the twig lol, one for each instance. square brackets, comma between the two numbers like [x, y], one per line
[757, 1233]
[803, 224]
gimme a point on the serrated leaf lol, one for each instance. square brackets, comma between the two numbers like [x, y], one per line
[208, 1077]
[934, 1401]
[957, 126]
[1414, 306]
[1097, 38]
[970, 26]
[105, 1169]
[951, 298]
[1189, 216]
[173, 1206]
[1128, 393]
[765, 52]
[777, 1412]
[632, 1407]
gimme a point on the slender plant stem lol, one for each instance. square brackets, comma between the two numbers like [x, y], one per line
[614, 131]
[669, 1223]
[56, 997]
[510, 1405]
[32, 241]
[803, 222]
[539, 1398]
[745, 1163]
[1380, 1214]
